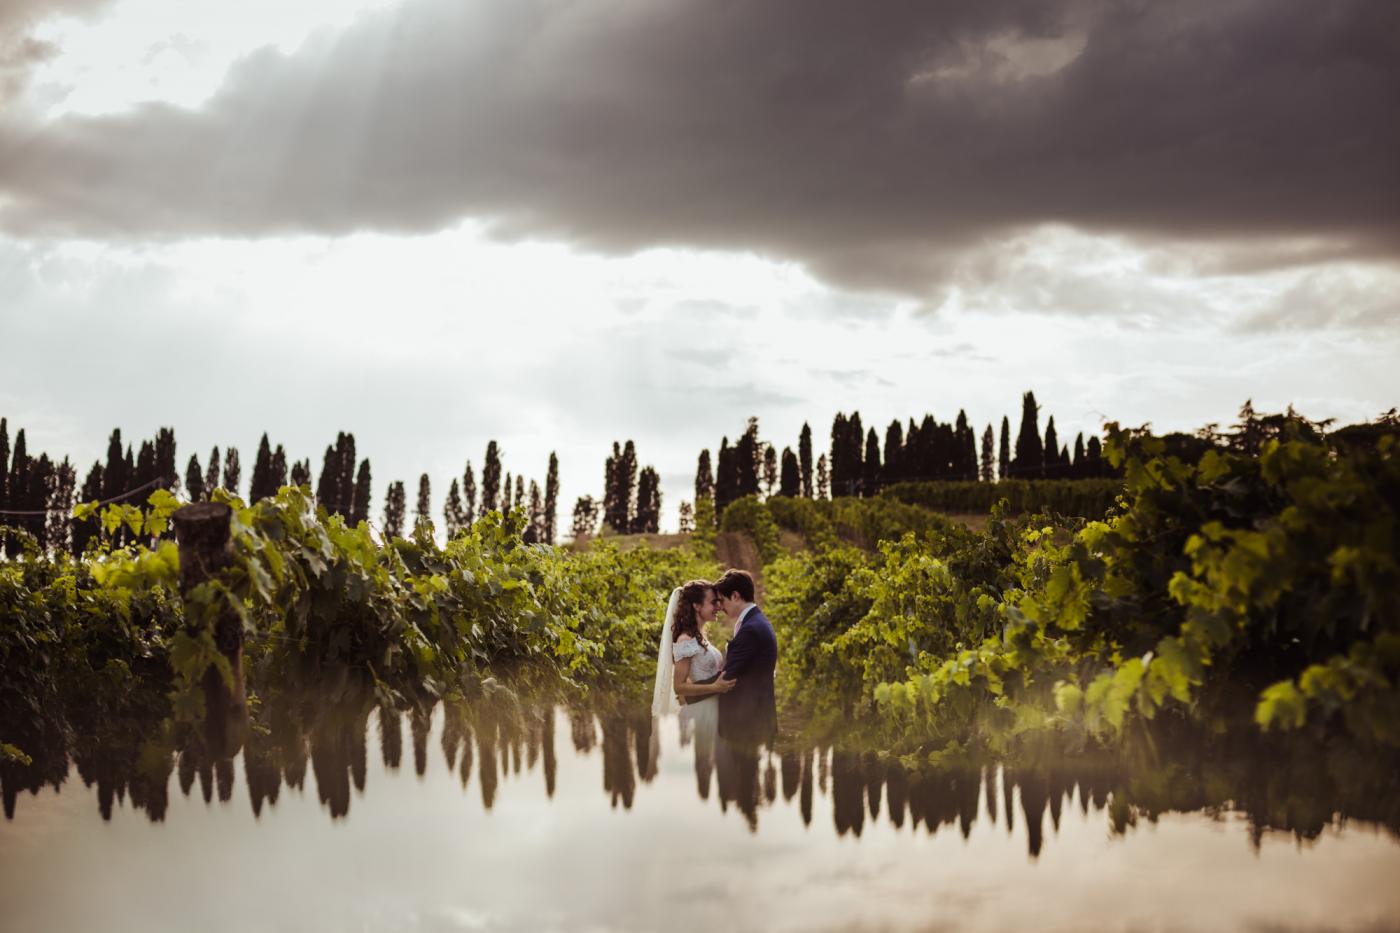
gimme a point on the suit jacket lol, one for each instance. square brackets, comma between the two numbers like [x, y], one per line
[749, 713]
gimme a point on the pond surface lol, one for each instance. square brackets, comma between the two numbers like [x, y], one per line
[554, 819]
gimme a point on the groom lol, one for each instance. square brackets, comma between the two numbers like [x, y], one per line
[747, 714]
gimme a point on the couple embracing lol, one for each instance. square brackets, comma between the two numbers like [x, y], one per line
[728, 694]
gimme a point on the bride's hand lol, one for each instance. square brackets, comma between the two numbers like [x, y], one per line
[724, 686]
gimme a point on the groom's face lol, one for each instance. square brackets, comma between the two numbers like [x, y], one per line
[732, 605]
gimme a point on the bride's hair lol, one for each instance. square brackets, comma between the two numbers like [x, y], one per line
[686, 620]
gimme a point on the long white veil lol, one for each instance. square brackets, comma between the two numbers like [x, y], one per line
[663, 694]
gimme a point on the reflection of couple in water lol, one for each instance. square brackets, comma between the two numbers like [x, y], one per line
[725, 701]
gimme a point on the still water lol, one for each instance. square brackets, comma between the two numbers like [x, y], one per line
[567, 820]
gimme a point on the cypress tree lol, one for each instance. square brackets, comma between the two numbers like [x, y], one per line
[1077, 467]
[1004, 452]
[233, 471]
[748, 460]
[791, 483]
[345, 481]
[491, 479]
[1093, 453]
[855, 456]
[929, 465]
[423, 513]
[85, 531]
[704, 477]
[534, 526]
[194, 479]
[4, 464]
[327, 493]
[989, 456]
[452, 518]
[114, 474]
[966, 441]
[61, 489]
[211, 476]
[585, 517]
[39, 480]
[1030, 453]
[165, 459]
[823, 478]
[685, 518]
[838, 461]
[894, 453]
[1052, 449]
[261, 481]
[551, 499]
[145, 465]
[359, 509]
[648, 518]
[301, 473]
[277, 474]
[770, 470]
[726, 481]
[469, 494]
[520, 491]
[870, 465]
[804, 459]
[394, 505]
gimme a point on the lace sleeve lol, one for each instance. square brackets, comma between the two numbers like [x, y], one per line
[685, 649]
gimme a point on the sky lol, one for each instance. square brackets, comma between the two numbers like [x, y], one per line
[560, 223]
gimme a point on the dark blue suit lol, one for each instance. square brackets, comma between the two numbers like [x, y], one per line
[748, 714]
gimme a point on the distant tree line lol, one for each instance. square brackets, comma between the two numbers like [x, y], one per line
[37, 495]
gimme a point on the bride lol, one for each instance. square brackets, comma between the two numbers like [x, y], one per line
[687, 672]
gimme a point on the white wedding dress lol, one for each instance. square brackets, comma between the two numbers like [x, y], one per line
[700, 717]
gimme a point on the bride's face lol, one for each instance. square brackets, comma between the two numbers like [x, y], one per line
[708, 608]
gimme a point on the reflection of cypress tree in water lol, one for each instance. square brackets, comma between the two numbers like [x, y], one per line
[551, 765]
[1007, 792]
[260, 771]
[874, 779]
[468, 736]
[186, 771]
[514, 752]
[646, 753]
[823, 768]
[223, 774]
[618, 777]
[770, 781]
[792, 773]
[390, 737]
[939, 797]
[581, 726]
[805, 796]
[1034, 790]
[989, 788]
[898, 782]
[486, 746]
[205, 770]
[451, 735]
[534, 726]
[847, 792]
[420, 723]
[736, 768]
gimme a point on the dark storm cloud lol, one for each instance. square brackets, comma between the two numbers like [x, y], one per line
[869, 141]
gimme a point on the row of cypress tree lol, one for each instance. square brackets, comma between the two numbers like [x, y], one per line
[37, 494]
[858, 464]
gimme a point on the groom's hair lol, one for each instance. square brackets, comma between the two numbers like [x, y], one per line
[735, 581]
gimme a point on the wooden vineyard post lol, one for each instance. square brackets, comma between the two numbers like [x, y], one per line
[202, 531]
